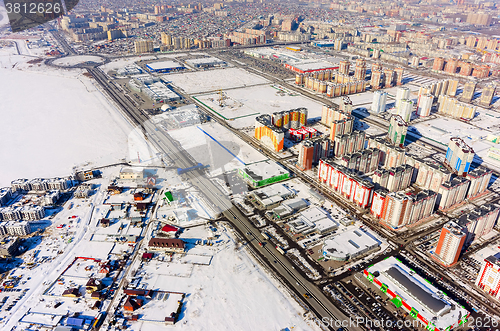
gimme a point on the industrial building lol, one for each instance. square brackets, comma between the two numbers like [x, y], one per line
[263, 173]
[313, 219]
[307, 66]
[459, 156]
[271, 195]
[417, 296]
[165, 66]
[288, 208]
[206, 62]
[450, 243]
[155, 88]
[349, 244]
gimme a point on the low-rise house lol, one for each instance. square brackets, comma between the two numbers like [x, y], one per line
[168, 245]
[97, 295]
[93, 285]
[132, 304]
[71, 292]
[129, 173]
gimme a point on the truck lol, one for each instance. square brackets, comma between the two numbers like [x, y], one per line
[266, 235]
[280, 249]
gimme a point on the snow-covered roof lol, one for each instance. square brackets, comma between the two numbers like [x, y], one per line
[416, 292]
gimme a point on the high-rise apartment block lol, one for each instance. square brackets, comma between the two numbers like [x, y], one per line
[424, 105]
[468, 92]
[379, 102]
[398, 129]
[450, 244]
[306, 155]
[459, 156]
[487, 95]
[143, 46]
[452, 107]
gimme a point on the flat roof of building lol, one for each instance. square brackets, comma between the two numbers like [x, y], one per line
[273, 190]
[164, 65]
[204, 60]
[264, 170]
[314, 65]
[431, 303]
[349, 243]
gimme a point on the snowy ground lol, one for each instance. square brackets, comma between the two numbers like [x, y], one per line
[473, 136]
[213, 80]
[212, 144]
[61, 120]
[79, 59]
[257, 100]
[231, 293]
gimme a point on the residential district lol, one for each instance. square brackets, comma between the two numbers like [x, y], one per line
[347, 148]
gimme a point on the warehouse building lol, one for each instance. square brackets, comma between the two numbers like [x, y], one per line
[314, 219]
[263, 173]
[271, 195]
[349, 244]
[409, 291]
[288, 208]
[307, 66]
[165, 66]
[206, 62]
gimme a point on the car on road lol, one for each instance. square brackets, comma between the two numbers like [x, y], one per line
[306, 295]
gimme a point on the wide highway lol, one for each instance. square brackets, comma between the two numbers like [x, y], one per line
[317, 301]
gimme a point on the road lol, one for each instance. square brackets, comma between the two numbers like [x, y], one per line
[318, 302]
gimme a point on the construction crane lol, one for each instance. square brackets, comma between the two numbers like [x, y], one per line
[222, 97]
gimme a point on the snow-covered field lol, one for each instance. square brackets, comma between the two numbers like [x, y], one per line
[213, 80]
[232, 293]
[55, 119]
[257, 100]
[79, 59]
[212, 144]
[473, 136]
